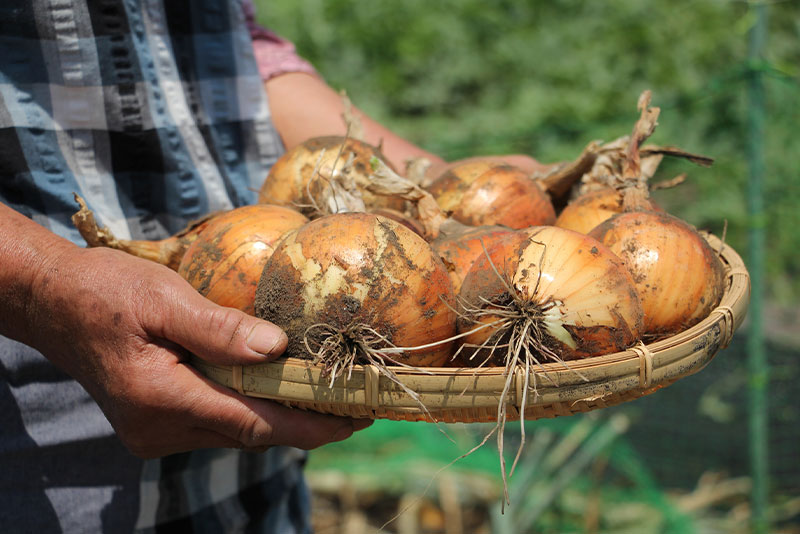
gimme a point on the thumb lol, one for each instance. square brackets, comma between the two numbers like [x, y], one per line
[221, 335]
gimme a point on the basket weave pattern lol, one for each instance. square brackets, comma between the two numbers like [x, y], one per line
[473, 395]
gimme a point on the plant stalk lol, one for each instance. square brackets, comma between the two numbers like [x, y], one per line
[758, 365]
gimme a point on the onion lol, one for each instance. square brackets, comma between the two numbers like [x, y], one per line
[549, 294]
[459, 248]
[678, 276]
[617, 181]
[481, 193]
[398, 216]
[544, 295]
[167, 251]
[457, 244]
[359, 288]
[225, 260]
[619, 176]
[300, 176]
[558, 179]
[592, 208]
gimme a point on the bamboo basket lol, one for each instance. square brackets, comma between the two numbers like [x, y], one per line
[473, 395]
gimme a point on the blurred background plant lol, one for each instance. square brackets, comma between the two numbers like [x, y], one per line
[467, 77]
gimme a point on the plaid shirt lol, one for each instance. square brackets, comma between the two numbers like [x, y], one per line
[154, 111]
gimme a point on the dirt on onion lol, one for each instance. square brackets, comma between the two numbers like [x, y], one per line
[357, 288]
[547, 295]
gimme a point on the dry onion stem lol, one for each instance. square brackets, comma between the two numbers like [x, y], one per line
[617, 180]
[333, 189]
[167, 251]
[384, 181]
[457, 244]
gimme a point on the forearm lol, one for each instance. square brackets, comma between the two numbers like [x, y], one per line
[27, 251]
[304, 106]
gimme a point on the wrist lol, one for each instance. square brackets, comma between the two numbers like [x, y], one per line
[29, 254]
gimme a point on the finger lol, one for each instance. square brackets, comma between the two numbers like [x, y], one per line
[217, 334]
[288, 426]
[190, 439]
[255, 423]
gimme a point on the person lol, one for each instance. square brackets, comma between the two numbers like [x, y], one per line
[156, 113]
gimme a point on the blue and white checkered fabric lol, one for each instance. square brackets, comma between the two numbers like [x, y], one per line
[154, 111]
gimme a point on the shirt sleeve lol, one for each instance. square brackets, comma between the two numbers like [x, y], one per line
[274, 54]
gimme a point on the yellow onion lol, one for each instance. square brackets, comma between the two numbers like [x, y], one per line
[549, 294]
[484, 193]
[355, 288]
[398, 216]
[225, 260]
[617, 181]
[678, 276]
[459, 249]
[457, 244]
[592, 208]
[301, 176]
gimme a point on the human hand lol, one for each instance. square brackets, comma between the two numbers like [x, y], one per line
[124, 327]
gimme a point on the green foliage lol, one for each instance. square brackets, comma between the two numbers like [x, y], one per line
[466, 77]
[463, 78]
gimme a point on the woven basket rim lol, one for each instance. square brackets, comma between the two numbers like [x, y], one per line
[472, 395]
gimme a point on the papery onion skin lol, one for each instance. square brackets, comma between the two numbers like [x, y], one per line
[585, 286]
[679, 277]
[357, 268]
[225, 260]
[480, 193]
[590, 209]
[459, 251]
[400, 217]
[289, 181]
[170, 251]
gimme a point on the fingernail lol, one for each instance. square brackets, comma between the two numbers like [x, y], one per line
[266, 339]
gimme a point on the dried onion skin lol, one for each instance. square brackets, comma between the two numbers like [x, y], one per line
[298, 177]
[167, 252]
